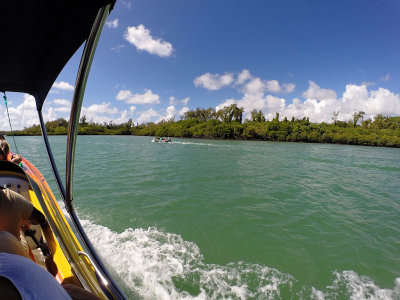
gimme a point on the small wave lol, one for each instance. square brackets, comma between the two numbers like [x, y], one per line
[160, 265]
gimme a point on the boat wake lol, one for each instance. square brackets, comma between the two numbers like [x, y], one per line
[197, 144]
[159, 265]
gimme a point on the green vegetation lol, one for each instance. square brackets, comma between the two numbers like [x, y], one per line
[227, 124]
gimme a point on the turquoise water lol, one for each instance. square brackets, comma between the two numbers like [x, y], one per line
[212, 219]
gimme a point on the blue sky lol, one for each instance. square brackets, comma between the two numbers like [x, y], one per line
[157, 59]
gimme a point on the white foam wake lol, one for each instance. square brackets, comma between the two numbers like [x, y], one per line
[197, 143]
[159, 265]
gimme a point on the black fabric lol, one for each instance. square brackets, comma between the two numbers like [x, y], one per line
[10, 167]
[38, 37]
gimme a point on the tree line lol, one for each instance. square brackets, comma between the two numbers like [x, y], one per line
[227, 123]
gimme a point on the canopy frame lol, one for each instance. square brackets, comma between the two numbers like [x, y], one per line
[106, 281]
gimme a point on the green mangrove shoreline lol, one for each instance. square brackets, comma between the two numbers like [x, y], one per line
[382, 131]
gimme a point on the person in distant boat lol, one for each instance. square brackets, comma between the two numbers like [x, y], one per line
[5, 152]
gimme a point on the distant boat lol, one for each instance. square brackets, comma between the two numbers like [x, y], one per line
[162, 140]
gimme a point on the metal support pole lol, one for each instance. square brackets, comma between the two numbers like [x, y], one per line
[51, 158]
[80, 85]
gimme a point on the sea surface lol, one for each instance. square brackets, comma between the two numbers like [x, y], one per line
[209, 219]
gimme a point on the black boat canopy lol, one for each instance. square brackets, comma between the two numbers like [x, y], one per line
[38, 37]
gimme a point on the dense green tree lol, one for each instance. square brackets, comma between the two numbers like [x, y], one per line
[231, 113]
[201, 114]
[83, 121]
[257, 116]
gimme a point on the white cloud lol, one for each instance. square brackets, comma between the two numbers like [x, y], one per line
[62, 105]
[23, 115]
[170, 112]
[147, 98]
[273, 86]
[172, 100]
[243, 76]
[213, 82]
[104, 112]
[103, 108]
[118, 48]
[112, 24]
[62, 85]
[149, 116]
[289, 87]
[127, 3]
[355, 98]
[142, 39]
[62, 102]
[386, 78]
[247, 82]
[315, 92]
[368, 83]
[185, 101]
[320, 103]
[183, 110]
[256, 85]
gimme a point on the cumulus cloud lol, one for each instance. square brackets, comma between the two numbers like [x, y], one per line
[62, 102]
[102, 108]
[149, 116]
[62, 105]
[147, 98]
[319, 103]
[243, 76]
[267, 103]
[315, 92]
[213, 82]
[112, 24]
[98, 113]
[245, 81]
[183, 110]
[104, 112]
[142, 39]
[289, 87]
[63, 85]
[273, 86]
[254, 86]
[257, 85]
[174, 101]
[23, 115]
[170, 112]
